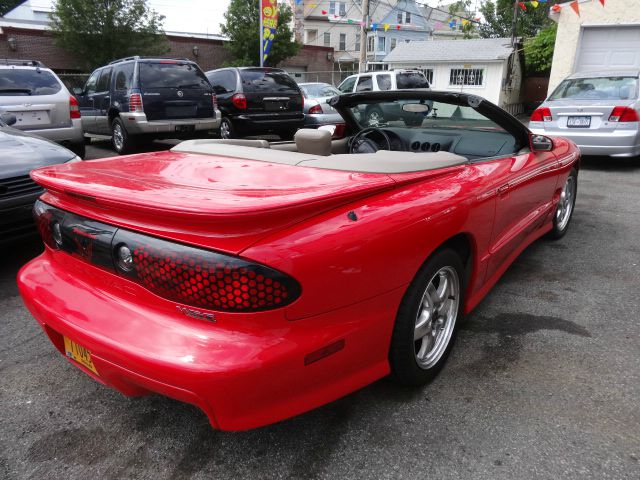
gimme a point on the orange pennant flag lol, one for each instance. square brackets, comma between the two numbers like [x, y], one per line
[574, 6]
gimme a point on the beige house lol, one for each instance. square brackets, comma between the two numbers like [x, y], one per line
[602, 37]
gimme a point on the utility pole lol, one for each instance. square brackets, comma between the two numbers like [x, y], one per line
[514, 22]
[363, 36]
[261, 34]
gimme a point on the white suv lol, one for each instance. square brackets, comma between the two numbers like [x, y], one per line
[383, 80]
[41, 103]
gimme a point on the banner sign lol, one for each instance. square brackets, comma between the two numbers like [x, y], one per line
[269, 17]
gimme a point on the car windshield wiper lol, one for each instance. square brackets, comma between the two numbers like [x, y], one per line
[16, 90]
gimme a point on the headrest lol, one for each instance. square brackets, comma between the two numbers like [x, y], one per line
[313, 142]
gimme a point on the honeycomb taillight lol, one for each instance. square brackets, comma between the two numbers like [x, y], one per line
[180, 273]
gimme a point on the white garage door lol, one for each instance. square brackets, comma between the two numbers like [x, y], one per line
[604, 48]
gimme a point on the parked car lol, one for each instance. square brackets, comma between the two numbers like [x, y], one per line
[41, 103]
[599, 111]
[317, 111]
[257, 101]
[20, 152]
[260, 281]
[384, 81]
[138, 98]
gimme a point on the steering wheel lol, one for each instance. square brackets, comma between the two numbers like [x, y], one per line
[362, 143]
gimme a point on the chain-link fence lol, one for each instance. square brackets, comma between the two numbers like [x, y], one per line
[74, 80]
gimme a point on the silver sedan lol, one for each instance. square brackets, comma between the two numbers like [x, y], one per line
[317, 111]
[598, 111]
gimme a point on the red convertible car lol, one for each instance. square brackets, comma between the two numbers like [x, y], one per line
[258, 281]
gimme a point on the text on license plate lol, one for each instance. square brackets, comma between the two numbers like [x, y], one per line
[79, 354]
[579, 122]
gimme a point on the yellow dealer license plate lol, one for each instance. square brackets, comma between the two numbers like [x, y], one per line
[79, 354]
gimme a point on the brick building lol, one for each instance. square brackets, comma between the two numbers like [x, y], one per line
[29, 39]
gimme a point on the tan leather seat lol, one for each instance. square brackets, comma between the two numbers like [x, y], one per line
[313, 142]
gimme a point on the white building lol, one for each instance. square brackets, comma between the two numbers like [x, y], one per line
[602, 37]
[488, 67]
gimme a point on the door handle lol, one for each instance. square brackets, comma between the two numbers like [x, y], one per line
[503, 190]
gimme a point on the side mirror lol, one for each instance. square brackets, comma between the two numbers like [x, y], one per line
[77, 91]
[540, 143]
[8, 118]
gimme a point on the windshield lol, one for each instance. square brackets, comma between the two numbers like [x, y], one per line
[319, 90]
[598, 88]
[264, 81]
[28, 82]
[171, 74]
[411, 113]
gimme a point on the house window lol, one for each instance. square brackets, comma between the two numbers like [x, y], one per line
[393, 43]
[399, 17]
[357, 48]
[312, 36]
[428, 72]
[467, 76]
[343, 42]
[371, 44]
[327, 39]
[338, 8]
[407, 17]
[382, 44]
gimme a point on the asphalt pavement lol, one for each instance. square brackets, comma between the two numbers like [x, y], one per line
[543, 383]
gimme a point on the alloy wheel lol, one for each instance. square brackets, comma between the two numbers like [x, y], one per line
[565, 205]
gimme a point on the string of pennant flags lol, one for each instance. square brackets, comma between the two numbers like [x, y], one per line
[453, 23]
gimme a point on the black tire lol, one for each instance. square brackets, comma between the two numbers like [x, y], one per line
[226, 129]
[121, 140]
[287, 134]
[562, 217]
[79, 149]
[404, 351]
[373, 117]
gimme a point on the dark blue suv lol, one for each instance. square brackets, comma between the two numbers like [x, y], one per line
[150, 98]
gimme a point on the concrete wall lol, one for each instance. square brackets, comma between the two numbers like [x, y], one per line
[615, 12]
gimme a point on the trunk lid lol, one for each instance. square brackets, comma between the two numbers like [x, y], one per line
[212, 201]
[270, 91]
[594, 112]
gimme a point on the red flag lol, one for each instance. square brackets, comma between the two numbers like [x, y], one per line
[397, 27]
[324, 12]
[574, 6]
[602, 2]
[556, 8]
[522, 6]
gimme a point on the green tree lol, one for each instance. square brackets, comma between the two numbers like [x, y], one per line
[459, 11]
[538, 51]
[8, 5]
[242, 27]
[100, 31]
[498, 15]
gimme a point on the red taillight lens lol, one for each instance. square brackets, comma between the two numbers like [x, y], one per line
[214, 100]
[135, 103]
[542, 114]
[315, 109]
[239, 101]
[201, 278]
[623, 114]
[74, 109]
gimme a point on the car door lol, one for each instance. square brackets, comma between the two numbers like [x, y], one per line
[102, 101]
[347, 85]
[86, 103]
[524, 202]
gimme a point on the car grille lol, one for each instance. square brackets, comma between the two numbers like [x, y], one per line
[13, 187]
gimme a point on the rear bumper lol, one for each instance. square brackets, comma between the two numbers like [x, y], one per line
[66, 135]
[619, 143]
[318, 119]
[255, 124]
[243, 371]
[137, 124]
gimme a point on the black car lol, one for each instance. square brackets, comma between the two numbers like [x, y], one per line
[20, 153]
[149, 98]
[257, 101]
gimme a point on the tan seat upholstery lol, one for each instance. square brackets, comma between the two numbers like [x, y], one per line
[313, 142]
